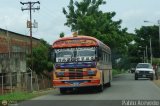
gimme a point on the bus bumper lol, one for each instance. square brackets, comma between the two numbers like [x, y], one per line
[75, 83]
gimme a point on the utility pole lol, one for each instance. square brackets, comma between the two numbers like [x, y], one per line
[146, 54]
[159, 33]
[29, 23]
[158, 22]
[30, 26]
[151, 49]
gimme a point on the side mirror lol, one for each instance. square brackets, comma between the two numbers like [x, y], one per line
[99, 52]
[53, 56]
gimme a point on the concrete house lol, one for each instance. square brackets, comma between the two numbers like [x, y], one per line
[13, 50]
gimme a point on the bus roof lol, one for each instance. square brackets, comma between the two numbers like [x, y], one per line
[78, 41]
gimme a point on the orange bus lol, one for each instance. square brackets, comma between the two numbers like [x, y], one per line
[81, 61]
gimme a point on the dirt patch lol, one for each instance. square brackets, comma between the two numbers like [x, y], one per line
[157, 82]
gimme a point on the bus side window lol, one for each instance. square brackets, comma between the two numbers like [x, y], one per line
[107, 57]
[103, 57]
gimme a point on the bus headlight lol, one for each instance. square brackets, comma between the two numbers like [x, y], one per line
[91, 72]
[60, 74]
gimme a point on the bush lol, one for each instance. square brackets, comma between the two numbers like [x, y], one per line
[116, 72]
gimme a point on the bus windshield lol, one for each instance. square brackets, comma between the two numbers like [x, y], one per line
[85, 52]
[75, 54]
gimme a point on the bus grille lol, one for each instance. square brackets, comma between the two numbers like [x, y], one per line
[143, 72]
[75, 73]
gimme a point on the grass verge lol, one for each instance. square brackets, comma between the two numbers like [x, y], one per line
[17, 96]
[20, 96]
[157, 82]
[116, 72]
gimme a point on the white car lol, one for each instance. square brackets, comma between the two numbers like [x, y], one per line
[144, 70]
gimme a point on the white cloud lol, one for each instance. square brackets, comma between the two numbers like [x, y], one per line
[12, 20]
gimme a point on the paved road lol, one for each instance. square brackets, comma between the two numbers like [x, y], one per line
[124, 87]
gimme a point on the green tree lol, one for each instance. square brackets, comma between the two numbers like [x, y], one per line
[61, 35]
[143, 36]
[135, 54]
[41, 58]
[86, 18]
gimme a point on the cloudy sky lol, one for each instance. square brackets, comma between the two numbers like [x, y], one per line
[51, 19]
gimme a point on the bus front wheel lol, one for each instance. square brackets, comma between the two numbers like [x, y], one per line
[100, 88]
[62, 90]
[108, 84]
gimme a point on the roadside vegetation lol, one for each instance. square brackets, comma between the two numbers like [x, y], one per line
[116, 72]
[41, 60]
[18, 96]
[22, 95]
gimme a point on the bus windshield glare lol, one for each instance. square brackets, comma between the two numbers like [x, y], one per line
[75, 54]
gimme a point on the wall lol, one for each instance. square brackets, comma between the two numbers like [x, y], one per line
[14, 42]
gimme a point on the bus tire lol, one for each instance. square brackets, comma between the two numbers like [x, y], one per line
[100, 88]
[62, 90]
[109, 84]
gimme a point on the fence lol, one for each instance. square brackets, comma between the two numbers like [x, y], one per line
[24, 81]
